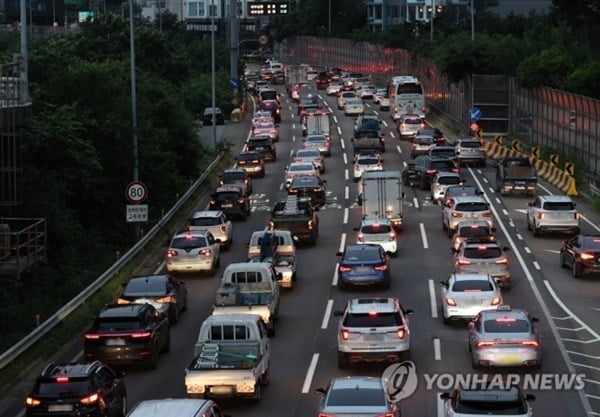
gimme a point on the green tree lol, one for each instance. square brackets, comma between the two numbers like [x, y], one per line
[459, 57]
[585, 79]
[547, 69]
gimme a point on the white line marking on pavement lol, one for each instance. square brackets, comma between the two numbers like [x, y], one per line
[345, 159]
[399, 148]
[588, 221]
[342, 143]
[346, 215]
[346, 174]
[392, 135]
[329, 109]
[346, 193]
[384, 123]
[536, 265]
[586, 366]
[310, 373]
[527, 249]
[342, 242]
[293, 125]
[484, 178]
[492, 190]
[375, 111]
[339, 130]
[440, 405]
[335, 275]
[437, 350]
[498, 201]
[423, 236]
[479, 171]
[572, 352]
[281, 186]
[505, 212]
[432, 299]
[519, 236]
[416, 202]
[335, 119]
[404, 164]
[327, 314]
[291, 152]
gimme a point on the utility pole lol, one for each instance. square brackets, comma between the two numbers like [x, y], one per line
[134, 137]
[234, 40]
[23, 67]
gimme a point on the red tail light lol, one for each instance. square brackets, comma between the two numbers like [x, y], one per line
[240, 200]
[450, 301]
[401, 333]
[464, 262]
[392, 236]
[502, 261]
[431, 171]
[540, 216]
[223, 229]
[487, 214]
[586, 256]
[385, 415]
[167, 299]
[171, 253]
[92, 336]
[496, 301]
[360, 237]
[344, 268]
[456, 214]
[140, 335]
[530, 343]
[484, 344]
[62, 379]
[205, 252]
[345, 334]
[271, 225]
[454, 170]
[90, 399]
[311, 224]
[383, 267]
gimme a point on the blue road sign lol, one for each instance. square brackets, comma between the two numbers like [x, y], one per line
[234, 82]
[474, 113]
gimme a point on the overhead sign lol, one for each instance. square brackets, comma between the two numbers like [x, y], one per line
[136, 192]
[136, 213]
[270, 8]
[474, 113]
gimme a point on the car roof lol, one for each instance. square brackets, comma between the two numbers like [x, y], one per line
[234, 170]
[556, 198]
[309, 150]
[316, 136]
[365, 382]
[469, 199]
[509, 394]
[191, 233]
[363, 247]
[305, 178]
[75, 370]
[504, 311]
[207, 213]
[122, 310]
[369, 304]
[302, 164]
[150, 278]
[169, 407]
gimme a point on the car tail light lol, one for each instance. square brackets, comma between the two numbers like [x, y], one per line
[455, 169]
[311, 224]
[205, 252]
[360, 237]
[221, 182]
[530, 343]
[167, 299]
[503, 261]
[223, 229]
[576, 215]
[140, 335]
[540, 216]
[90, 398]
[292, 191]
[325, 415]
[450, 301]
[496, 301]
[456, 214]
[32, 402]
[92, 336]
[345, 334]
[383, 267]
[171, 253]
[240, 200]
[487, 214]
[62, 379]
[271, 225]
[213, 201]
[484, 344]
[344, 268]
[385, 415]
[586, 256]
[392, 236]
[464, 262]
[123, 301]
[431, 171]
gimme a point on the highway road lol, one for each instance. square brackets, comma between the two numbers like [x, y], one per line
[304, 350]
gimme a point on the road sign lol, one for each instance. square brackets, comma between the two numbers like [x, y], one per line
[263, 39]
[516, 145]
[136, 213]
[535, 151]
[234, 82]
[498, 139]
[474, 113]
[479, 133]
[554, 159]
[570, 168]
[136, 192]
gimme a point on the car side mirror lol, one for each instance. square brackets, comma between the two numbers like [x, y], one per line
[339, 253]
[530, 397]
[324, 181]
[338, 313]
[320, 391]
[445, 395]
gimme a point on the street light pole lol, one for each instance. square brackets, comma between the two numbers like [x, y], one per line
[134, 138]
[431, 17]
[472, 22]
[213, 80]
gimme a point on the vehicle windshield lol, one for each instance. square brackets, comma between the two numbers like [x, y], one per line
[259, 142]
[506, 325]
[449, 180]
[300, 168]
[482, 252]
[233, 177]
[472, 285]
[470, 231]
[353, 397]
[308, 153]
[412, 121]
[461, 191]
[58, 389]
[268, 95]
[316, 139]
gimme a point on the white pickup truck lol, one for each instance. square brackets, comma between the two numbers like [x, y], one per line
[279, 248]
[249, 288]
[231, 358]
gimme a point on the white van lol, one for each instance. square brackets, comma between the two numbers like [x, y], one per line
[176, 407]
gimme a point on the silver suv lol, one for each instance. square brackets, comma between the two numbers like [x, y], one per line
[552, 213]
[373, 330]
[457, 209]
[470, 151]
[216, 222]
[483, 256]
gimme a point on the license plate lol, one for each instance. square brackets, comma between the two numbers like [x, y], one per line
[227, 205]
[508, 359]
[372, 337]
[260, 148]
[115, 342]
[60, 407]
[221, 389]
[363, 269]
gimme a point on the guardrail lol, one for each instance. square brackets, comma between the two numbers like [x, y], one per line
[28, 341]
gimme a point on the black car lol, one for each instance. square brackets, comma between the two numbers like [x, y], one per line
[237, 177]
[230, 200]
[308, 188]
[279, 77]
[422, 170]
[128, 334]
[435, 133]
[447, 151]
[166, 293]
[582, 254]
[77, 389]
[273, 107]
[207, 117]
[252, 163]
[263, 145]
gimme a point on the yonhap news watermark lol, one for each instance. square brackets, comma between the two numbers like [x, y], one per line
[402, 379]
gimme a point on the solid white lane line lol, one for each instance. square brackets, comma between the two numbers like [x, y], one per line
[404, 163]
[437, 349]
[536, 265]
[335, 119]
[527, 249]
[291, 152]
[329, 109]
[423, 236]
[347, 193]
[342, 242]
[492, 191]
[345, 159]
[335, 275]
[345, 216]
[339, 130]
[327, 314]
[433, 299]
[399, 148]
[310, 373]
[346, 174]
[376, 113]
[416, 202]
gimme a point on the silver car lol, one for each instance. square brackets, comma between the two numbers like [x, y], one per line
[379, 94]
[373, 330]
[465, 295]
[504, 337]
[441, 182]
[365, 163]
[409, 125]
[311, 155]
[319, 142]
[470, 151]
[421, 146]
[483, 256]
[552, 213]
[216, 222]
[379, 232]
[193, 252]
[333, 88]
[343, 96]
[470, 229]
[354, 107]
[482, 401]
[354, 396]
[457, 209]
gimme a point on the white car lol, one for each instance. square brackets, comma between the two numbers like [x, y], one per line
[216, 222]
[299, 168]
[379, 232]
[311, 155]
[379, 93]
[343, 96]
[384, 103]
[195, 251]
[409, 125]
[365, 163]
[367, 91]
[354, 107]
[465, 295]
[333, 88]
[262, 117]
[441, 182]
[552, 213]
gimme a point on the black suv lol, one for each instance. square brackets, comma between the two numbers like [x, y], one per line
[252, 163]
[127, 334]
[263, 145]
[230, 200]
[435, 133]
[308, 188]
[78, 389]
[422, 170]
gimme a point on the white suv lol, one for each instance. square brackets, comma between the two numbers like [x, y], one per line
[458, 209]
[373, 330]
[216, 222]
[552, 213]
[379, 232]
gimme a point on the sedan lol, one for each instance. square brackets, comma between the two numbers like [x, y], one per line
[266, 129]
[167, 294]
[343, 96]
[581, 254]
[320, 142]
[504, 337]
[421, 146]
[363, 265]
[472, 229]
[465, 295]
[356, 396]
[354, 107]
[311, 155]
[365, 163]
[384, 103]
[483, 256]
[299, 168]
[379, 94]
[333, 88]
[441, 182]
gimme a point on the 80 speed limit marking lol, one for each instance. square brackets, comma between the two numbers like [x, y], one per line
[136, 192]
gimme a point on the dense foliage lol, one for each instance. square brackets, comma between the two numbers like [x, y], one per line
[78, 153]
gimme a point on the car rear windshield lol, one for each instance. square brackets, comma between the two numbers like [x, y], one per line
[258, 142]
[353, 397]
[391, 319]
[412, 121]
[376, 228]
[559, 206]
[473, 206]
[224, 196]
[424, 141]
[442, 165]
[305, 182]
[461, 191]
[482, 252]
[79, 386]
[506, 325]
[143, 287]
[472, 285]
[362, 255]
[366, 134]
[591, 242]
[268, 95]
[448, 180]
[308, 153]
[205, 221]
[348, 94]
[367, 161]
[478, 231]
[470, 144]
[188, 242]
[442, 152]
[492, 407]
[249, 158]
[116, 324]
[233, 176]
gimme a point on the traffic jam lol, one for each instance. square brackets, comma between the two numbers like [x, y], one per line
[356, 259]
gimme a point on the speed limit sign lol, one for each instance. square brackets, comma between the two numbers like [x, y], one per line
[136, 192]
